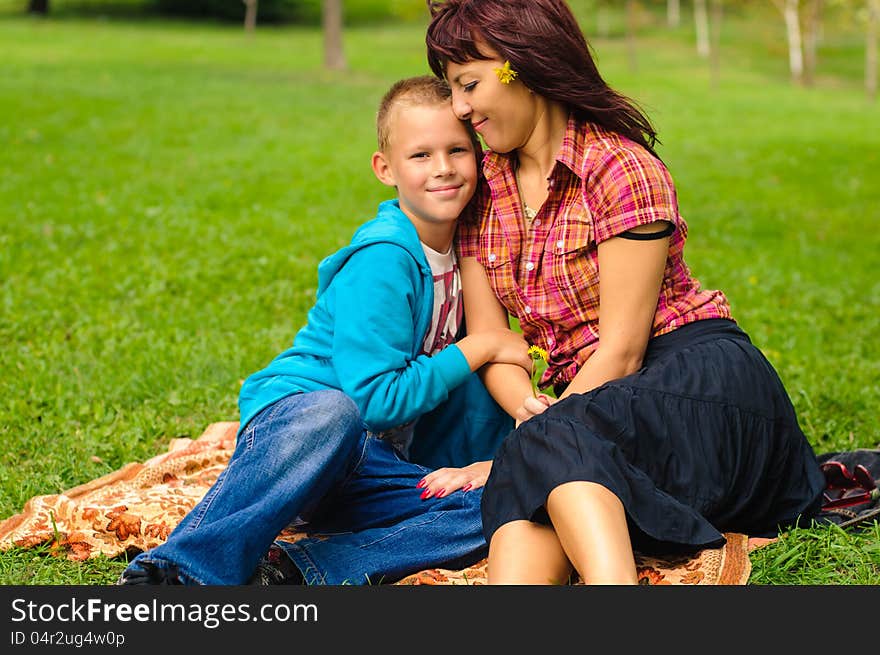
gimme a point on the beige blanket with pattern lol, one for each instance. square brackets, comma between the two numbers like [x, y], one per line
[136, 507]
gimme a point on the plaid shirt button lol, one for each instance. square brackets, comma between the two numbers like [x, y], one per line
[527, 309]
[560, 244]
[530, 266]
[492, 257]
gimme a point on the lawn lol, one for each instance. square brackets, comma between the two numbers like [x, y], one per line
[168, 189]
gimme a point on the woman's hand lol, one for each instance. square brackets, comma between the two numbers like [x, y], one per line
[510, 348]
[496, 346]
[443, 482]
[533, 406]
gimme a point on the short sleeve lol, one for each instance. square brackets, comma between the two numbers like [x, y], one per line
[629, 187]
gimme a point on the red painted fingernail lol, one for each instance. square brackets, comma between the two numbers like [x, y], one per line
[421, 484]
[426, 493]
[466, 487]
[441, 493]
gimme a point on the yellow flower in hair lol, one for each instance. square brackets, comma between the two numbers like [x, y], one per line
[506, 74]
[539, 365]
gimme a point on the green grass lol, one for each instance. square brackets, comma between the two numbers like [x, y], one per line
[168, 189]
[820, 556]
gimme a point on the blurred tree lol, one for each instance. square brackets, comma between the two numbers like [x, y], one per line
[803, 27]
[270, 11]
[673, 13]
[250, 14]
[334, 57]
[791, 11]
[603, 19]
[38, 7]
[715, 41]
[812, 31]
[632, 24]
[873, 27]
[701, 22]
[865, 13]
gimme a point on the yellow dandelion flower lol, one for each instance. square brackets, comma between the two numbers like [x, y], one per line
[537, 353]
[540, 358]
[506, 74]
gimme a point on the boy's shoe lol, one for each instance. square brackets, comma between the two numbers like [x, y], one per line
[149, 573]
[276, 568]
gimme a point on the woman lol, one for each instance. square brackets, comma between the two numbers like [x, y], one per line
[668, 427]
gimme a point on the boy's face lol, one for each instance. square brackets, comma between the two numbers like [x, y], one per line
[430, 159]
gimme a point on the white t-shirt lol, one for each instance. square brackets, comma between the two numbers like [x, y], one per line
[445, 323]
[447, 300]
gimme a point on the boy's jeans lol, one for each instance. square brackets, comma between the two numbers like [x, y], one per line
[308, 455]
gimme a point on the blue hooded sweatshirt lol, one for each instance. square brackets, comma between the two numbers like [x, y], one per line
[364, 337]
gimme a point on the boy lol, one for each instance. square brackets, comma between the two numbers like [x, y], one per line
[328, 425]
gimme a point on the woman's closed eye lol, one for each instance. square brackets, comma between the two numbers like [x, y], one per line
[467, 88]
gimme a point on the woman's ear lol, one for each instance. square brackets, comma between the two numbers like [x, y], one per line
[382, 169]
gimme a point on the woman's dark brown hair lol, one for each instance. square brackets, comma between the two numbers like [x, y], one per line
[545, 46]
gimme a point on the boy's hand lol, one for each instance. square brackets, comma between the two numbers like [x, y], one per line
[443, 482]
[533, 406]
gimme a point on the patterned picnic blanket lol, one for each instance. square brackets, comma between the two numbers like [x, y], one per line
[136, 507]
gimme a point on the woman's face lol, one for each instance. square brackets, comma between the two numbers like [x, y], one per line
[504, 115]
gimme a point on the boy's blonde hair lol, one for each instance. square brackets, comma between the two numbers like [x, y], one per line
[421, 91]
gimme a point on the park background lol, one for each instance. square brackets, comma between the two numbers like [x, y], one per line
[169, 183]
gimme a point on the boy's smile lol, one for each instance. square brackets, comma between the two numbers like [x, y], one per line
[432, 163]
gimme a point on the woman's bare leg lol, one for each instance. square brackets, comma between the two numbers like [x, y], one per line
[523, 552]
[590, 524]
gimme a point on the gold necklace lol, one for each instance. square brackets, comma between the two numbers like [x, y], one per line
[527, 211]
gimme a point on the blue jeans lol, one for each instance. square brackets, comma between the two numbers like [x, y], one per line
[308, 456]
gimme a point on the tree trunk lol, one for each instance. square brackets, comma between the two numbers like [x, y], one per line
[673, 13]
[38, 7]
[701, 22]
[715, 58]
[795, 45]
[603, 20]
[632, 19]
[334, 57]
[250, 14]
[812, 28]
[871, 48]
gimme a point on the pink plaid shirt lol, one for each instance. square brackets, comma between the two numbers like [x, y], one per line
[547, 274]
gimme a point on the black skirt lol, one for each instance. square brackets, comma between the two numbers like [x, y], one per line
[702, 440]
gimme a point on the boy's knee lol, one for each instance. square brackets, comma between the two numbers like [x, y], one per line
[336, 398]
[319, 424]
[339, 412]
